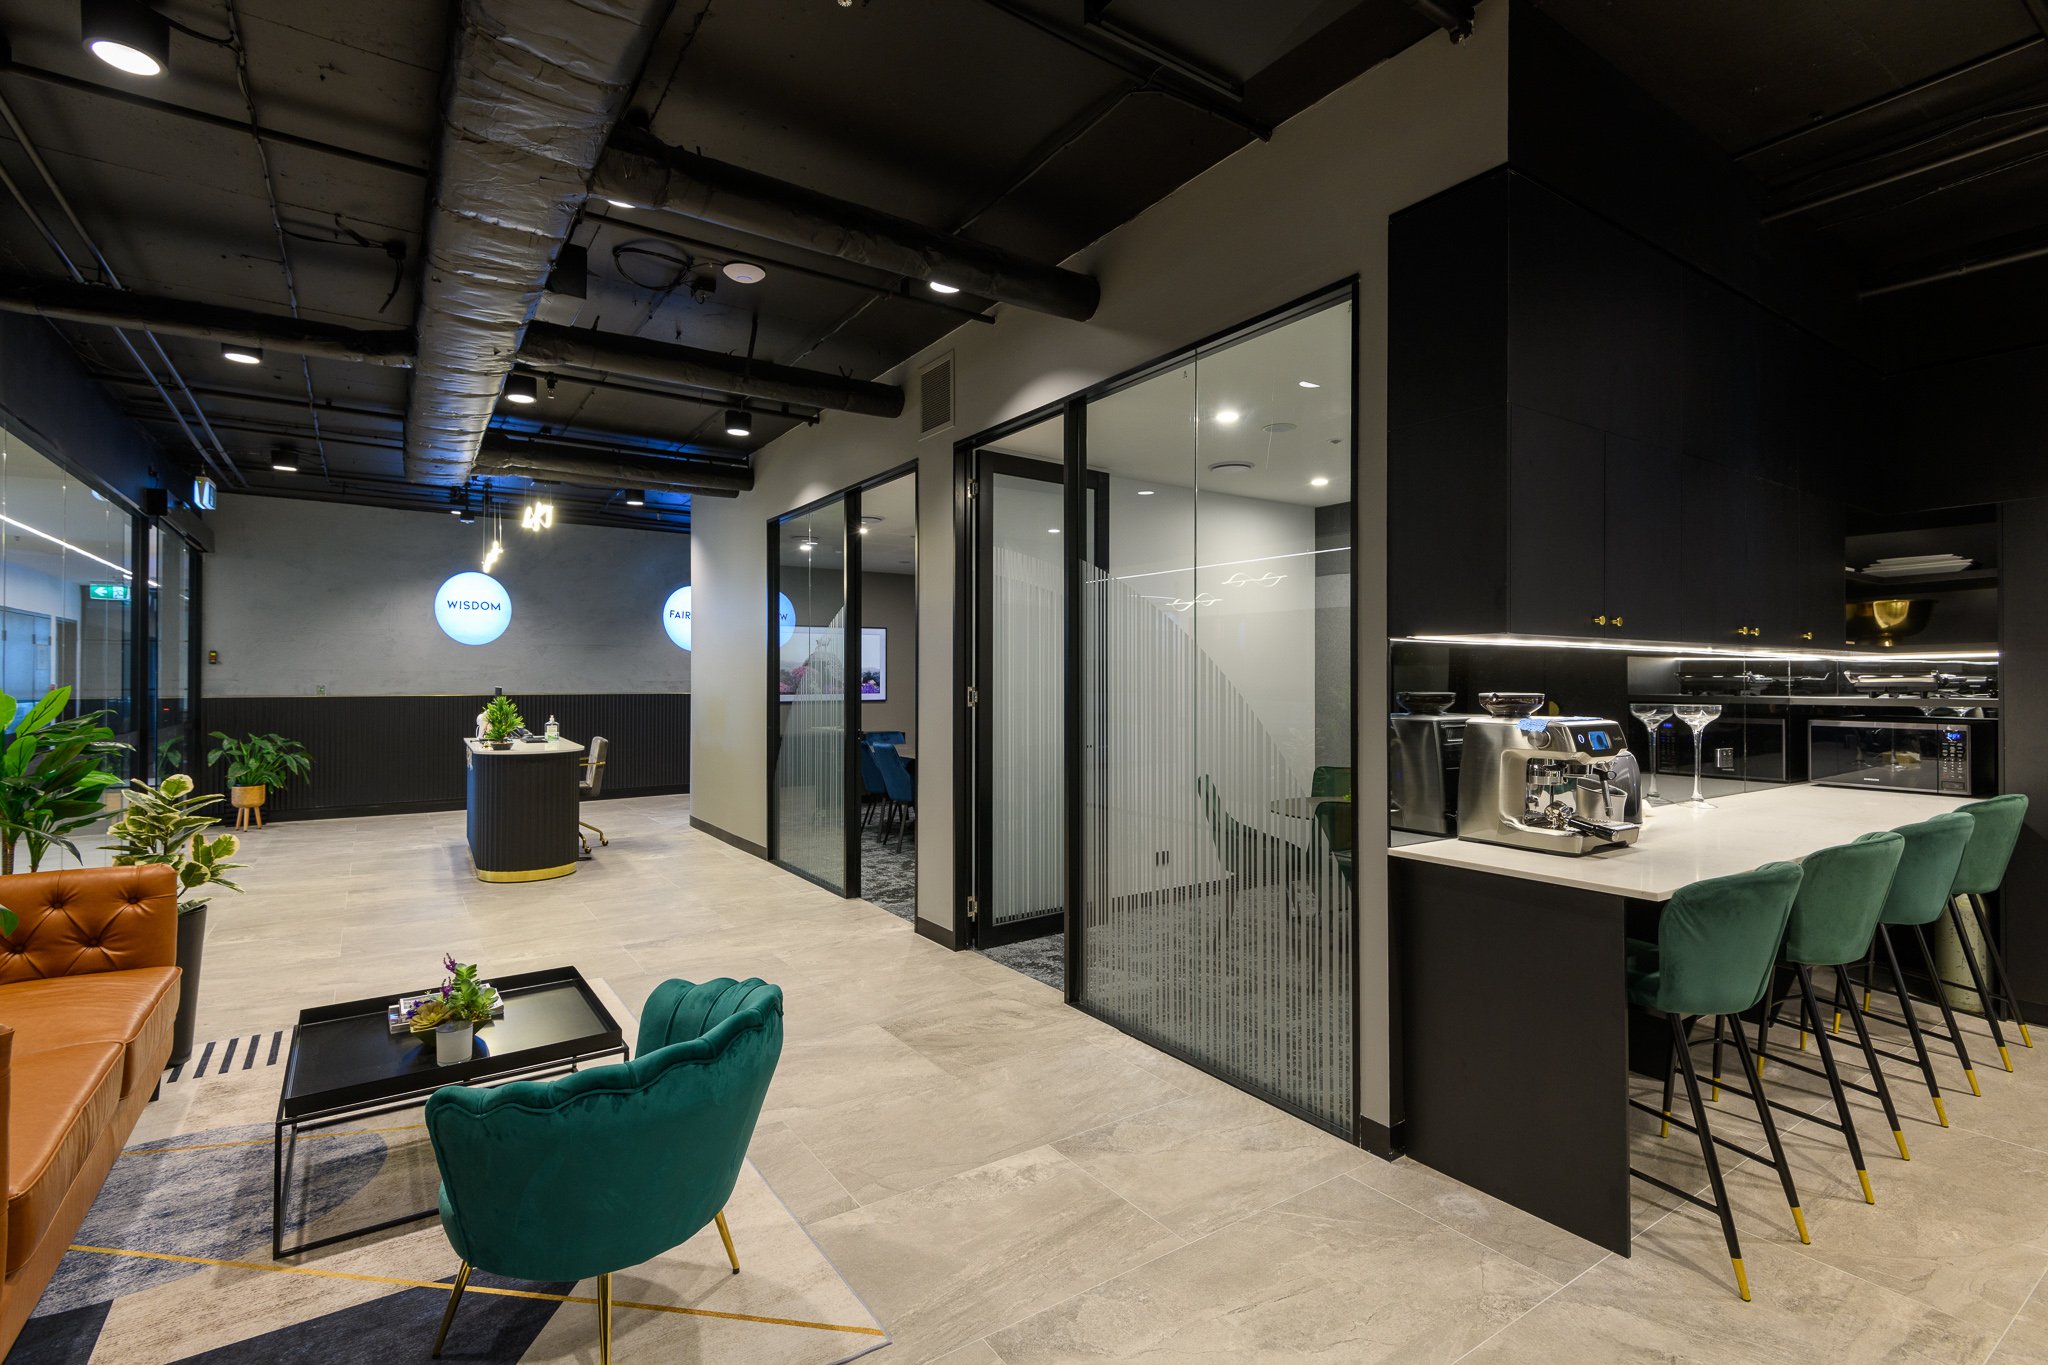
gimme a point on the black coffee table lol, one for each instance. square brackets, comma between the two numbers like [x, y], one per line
[347, 1064]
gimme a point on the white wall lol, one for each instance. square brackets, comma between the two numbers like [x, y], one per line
[1274, 222]
[305, 595]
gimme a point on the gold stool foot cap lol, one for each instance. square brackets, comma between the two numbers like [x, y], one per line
[1940, 1111]
[1904, 1155]
[1868, 1197]
[1741, 1279]
[2025, 1036]
[1664, 1128]
[2005, 1056]
[1799, 1220]
[1971, 1073]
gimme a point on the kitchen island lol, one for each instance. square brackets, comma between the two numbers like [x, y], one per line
[1513, 1051]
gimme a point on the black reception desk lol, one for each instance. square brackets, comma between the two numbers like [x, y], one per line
[522, 809]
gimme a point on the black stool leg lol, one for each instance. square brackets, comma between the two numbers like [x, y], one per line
[1719, 1023]
[1884, 1090]
[1670, 1076]
[1891, 958]
[1827, 1062]
[1773, 1002]
[1984, 996]
[1699, 1119]
[1948, 1016]
[1763, 1113]
[1999, 975]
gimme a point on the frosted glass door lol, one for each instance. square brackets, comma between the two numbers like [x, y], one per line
[811, 684]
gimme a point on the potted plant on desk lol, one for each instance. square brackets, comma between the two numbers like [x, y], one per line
[501, 718]
[163, 826]
[256, 763]
[454, 1013]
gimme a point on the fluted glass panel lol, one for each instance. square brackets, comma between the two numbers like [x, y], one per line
[1025, 702]
[810, 757]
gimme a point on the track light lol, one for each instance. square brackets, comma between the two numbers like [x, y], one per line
[636, 497]
[522, 388]
[240, 354]
[738, 423]
[126, 34]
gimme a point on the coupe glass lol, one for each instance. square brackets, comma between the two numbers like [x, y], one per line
[1652, 716]
[1699, 716]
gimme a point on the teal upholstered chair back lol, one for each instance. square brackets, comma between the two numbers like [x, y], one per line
[1717, 940]
[1998, 833]
[609, 1167]
[1927, 868]
[1840, 897]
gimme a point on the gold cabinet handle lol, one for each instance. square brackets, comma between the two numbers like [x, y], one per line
[1806, 635]
[1600, 620]
[1617, 623]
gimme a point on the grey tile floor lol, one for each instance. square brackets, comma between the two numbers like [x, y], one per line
[1005, 1180]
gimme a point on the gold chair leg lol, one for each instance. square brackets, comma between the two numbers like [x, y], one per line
[725, 1235]
[454, 1297]
[604, 1320]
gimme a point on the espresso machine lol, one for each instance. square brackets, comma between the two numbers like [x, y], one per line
[1557, 784]
[1425, 743]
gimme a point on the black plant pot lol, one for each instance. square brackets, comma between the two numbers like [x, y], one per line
[191, 948]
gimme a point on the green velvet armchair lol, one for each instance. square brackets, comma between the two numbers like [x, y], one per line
[574, 1178]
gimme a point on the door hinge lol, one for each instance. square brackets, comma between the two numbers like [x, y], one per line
[974, 696]
[973, 908]
[974, 488]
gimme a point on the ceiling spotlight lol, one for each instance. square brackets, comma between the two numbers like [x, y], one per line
[1308, 383]
[1144, 492]
[126, 34]
[455, 511]
[1227, 415]
[240, 354]
[522, 388]
[941, 287]
[1319, 481]
[619, 203]
[744, 272]
[1052, 530]
[284, 464]
[738, 423]
[807, 545]
[636, 497]
[863, 530]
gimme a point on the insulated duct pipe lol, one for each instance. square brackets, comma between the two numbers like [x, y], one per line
[549, 346]
[534, 88]
[555, 463]
[105, 306]
[639, 168]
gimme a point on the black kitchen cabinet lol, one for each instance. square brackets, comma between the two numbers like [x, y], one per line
[1645, 579]
[1557, 529]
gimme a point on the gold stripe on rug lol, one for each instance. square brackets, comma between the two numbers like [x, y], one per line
[479, 1289]
[270, 1141]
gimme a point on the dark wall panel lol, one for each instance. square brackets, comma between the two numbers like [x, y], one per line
[379, 755]
[2023, 647]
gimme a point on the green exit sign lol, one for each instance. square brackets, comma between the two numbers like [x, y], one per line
[107, 592]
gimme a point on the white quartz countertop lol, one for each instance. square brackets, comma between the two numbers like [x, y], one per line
[524, 748]
[1680, 845]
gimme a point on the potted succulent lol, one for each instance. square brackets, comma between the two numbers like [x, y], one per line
[164, 825]
[257, 763]
[501, 718]
[54, 773]
[453, 1013]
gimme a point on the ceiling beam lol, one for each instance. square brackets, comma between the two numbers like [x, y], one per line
[1863, 187]
[1451, 16]
[639, 168]
[502, 457]
[550, 346]
[106, 306]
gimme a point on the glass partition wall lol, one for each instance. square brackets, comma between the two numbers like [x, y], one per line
[811, 694]
[1215, 696]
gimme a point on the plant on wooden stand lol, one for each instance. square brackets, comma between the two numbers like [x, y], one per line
[257, 763]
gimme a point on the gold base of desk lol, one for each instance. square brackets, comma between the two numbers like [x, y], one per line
[538, 874]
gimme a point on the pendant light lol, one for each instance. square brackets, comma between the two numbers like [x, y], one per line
[126, 34]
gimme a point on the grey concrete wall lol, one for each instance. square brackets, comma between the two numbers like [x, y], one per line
[306, 595]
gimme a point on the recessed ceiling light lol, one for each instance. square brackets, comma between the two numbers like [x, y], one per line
[127, 35]
[1144, 492]
[1230, 467]
[744, 272]
[619, 203]
[240, 354]
[636, 497]
[863, 530]
[738, 423]
[941, 287]
[522, 388]
[1227, 415]
[280, 466]
[1308, 383]
[1052, 530]
[1275, 428]
[1319, 481]
[807, 546]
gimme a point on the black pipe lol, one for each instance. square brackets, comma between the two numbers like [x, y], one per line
[576, 464]
[101, 305]
[548, 345]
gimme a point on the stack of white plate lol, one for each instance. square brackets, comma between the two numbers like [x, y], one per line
[1917, 566]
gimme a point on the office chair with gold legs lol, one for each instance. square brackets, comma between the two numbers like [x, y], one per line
[590, 786]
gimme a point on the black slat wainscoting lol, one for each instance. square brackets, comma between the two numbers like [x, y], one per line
[392, 755]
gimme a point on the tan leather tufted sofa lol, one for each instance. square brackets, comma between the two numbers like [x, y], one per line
[88, 996]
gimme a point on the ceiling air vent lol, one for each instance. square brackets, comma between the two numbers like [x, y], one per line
[935, 396]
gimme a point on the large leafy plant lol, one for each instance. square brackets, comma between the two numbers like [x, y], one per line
[501, 718]
[163, 825]
[54, 774]
[261, 760]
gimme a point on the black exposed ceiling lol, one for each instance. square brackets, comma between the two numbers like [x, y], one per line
[1031, 125]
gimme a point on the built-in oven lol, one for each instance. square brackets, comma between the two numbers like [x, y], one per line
[1948, 757]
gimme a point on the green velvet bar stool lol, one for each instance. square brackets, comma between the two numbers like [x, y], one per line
[1716, 943]
[1920, 891]
[1840, 897]
[1983, 872]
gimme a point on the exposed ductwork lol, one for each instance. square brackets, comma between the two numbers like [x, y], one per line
[549, 346]
[550, 461]
[639, 168]
[106, 306]
[535, 87]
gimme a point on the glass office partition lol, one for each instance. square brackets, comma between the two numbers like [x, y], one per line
[1216, 686]
[810, 684]
[171, 642]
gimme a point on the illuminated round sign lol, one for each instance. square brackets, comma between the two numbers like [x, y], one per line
[785, 618]
[472, 608]
[675, 617]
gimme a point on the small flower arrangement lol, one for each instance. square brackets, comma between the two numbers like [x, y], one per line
[461, 998]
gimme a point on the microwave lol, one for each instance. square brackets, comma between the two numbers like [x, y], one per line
[1953, 757]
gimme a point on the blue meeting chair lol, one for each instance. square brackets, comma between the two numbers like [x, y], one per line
[876, 738]
[873, 790]
[901, 788]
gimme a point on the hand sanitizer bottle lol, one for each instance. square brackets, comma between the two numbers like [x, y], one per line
[554, 730]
